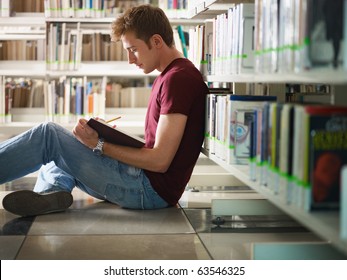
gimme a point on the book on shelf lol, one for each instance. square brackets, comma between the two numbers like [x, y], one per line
[6, 8]
[326, 155]
[245, 63]
[28, 6]
[244, 119]
[134, 97]
[299, 35]
[208, 47]
[323, 23]
[210, 141]
[286, 36]
[257, 132]
[182, 38]
[209, 122]
[24, 50]
[299, 145]
[253, 148]
[274, 139]
[196, 46]
[235, 103]
[20, 93]
[224, 44]
[345, 35]
[174, 8]
[115, 135]
[264, 146]
[81, 9]
[343, 215]
[286, 152]
[267, 35]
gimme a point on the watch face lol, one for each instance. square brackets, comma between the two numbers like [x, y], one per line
[98, 149]
[97, 152]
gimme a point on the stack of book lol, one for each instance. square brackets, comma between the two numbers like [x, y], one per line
[295, 36]
[272, 36]
[68, 45]
[224, 45]
[228, 124]
[66, 98]
[86, 9]
[295, 150]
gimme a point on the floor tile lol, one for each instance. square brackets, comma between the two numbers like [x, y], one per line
[239, 246]
[9, 246]
[234, 239]
[14, 225]
[203, 222]
[159, 247]
[107, 218]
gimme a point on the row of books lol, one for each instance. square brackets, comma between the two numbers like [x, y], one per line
[224, 45]
[87, 8]
[98, 47]
[298, 35]
[5, 8]
[66, 98]
[309, 93]
[68, 45]
[271, 36]
[227, 124]
[23, 50]
[67, 8]
[174, 8]
[296, 151]
[11, 7]
[22, 93]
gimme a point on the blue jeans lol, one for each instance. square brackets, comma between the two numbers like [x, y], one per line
[66, 163]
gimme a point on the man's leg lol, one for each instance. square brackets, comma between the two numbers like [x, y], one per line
[99, 176]
[52, 178]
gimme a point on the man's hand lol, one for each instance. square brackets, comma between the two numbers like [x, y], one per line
[85, 134]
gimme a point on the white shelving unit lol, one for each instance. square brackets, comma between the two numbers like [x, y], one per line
[322, 76]
[12, 28]
[325, 224]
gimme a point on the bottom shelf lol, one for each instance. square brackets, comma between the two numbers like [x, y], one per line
[324, 223]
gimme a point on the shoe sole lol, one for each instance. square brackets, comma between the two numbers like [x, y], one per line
[28, 203]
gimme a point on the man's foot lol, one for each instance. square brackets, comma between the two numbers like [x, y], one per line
[29, 203]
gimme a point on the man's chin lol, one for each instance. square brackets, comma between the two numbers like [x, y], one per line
[146, 71]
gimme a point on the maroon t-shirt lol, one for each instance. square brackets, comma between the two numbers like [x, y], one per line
[178, 89]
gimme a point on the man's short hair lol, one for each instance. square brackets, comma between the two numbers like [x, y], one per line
[144, 21]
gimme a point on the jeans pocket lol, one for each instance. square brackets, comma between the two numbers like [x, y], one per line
[125, 197]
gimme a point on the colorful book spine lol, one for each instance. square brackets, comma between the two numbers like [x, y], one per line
[237, 103]
[327, 153]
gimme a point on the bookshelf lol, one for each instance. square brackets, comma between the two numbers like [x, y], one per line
[12, 29]
[326, 224]
[38, 27]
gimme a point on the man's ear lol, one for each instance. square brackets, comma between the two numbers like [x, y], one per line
[157, 41]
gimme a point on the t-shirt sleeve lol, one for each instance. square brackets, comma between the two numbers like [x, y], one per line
[176, 95]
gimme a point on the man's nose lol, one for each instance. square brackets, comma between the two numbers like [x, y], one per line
[131, 57]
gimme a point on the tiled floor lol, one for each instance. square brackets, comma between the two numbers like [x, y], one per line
[93, 229]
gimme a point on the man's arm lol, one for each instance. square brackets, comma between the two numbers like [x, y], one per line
[168, 137]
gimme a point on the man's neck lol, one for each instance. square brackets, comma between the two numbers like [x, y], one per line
[169, 55]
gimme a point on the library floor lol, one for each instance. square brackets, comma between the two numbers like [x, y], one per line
[92, 229]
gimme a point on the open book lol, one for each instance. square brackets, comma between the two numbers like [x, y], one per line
[115, 135]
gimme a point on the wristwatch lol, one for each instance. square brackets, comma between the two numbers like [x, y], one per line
[98, 150]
